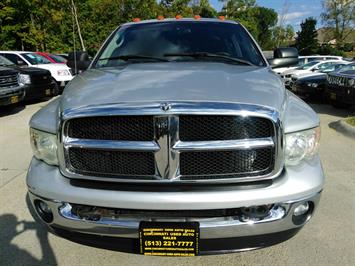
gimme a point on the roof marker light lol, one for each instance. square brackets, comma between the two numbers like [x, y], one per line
[222, 17]
[197, 17]
[160, 17]
[178, 17]
[136, 20]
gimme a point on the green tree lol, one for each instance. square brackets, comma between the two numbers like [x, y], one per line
[306, 41]
[266, 20]
[283, 36]
[204, 9]
[339, 15]
[242, 11]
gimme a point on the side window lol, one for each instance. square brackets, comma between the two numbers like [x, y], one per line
[14, 59]
[325, 65]
[11, 57]
[310, 59]
[301, 61]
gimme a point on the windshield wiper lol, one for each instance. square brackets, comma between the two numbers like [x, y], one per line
[212, 55]
[132, 56]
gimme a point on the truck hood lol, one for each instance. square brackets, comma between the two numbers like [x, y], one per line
[175, 81]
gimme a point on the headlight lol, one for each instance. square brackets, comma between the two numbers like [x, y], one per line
[313, 85]
[44, 146]
[301, 145]
[24, 79]
[351, 82]
[63, 72]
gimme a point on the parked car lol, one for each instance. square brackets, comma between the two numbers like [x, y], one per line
[340, 89]
[37, 82]
[60, 72]
[307, 69]
[313, 85]
[178, 132]
[65, 56]
[53, 57]
[11, 92]
[302, 60]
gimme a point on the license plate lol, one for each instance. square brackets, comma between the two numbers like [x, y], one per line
[333, 96]
[169, 239]
[48, 92]
[14, 99]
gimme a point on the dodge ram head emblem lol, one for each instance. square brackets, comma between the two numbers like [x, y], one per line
[165, 107]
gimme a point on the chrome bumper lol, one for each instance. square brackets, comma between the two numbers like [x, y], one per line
[279, 219]
[295, 185]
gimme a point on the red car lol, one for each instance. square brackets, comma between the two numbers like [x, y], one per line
[53, 58]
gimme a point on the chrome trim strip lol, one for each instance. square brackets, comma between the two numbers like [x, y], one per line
[112, 145]
[177, 108]
[242, 144]
[280, 219]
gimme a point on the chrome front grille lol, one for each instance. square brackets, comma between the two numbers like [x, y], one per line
[184, 145]
[9, 81]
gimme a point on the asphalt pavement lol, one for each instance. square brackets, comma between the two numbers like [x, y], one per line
[328, 239]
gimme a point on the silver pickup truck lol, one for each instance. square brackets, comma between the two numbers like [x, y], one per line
[178, 140]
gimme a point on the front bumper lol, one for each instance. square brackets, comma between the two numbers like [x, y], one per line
[11, 96]
[37, 91]
[295, 186]
[341, 94]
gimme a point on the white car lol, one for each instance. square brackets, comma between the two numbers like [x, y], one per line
[306, 59]
[60, 72]
[307, 69]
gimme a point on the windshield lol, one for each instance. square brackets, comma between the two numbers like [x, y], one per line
[308, 65]
[348, 67]
[4, 61]
[36, 59]
[331, 68]
[57, 58]
[161, 40]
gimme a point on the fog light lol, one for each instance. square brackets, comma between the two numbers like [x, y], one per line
[44, 211]
[302, 213]
[301, 209]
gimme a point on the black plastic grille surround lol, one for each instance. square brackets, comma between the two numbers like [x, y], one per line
[41, 79]
[97, 162]
[234, 163]
[130, 128]
[215, 127]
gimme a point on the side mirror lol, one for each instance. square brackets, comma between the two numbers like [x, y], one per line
[284, 57]
[21, 63]
[78, 61]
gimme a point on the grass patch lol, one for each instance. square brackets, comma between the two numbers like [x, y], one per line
[351, 121]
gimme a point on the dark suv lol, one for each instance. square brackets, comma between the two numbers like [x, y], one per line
[37, 82]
